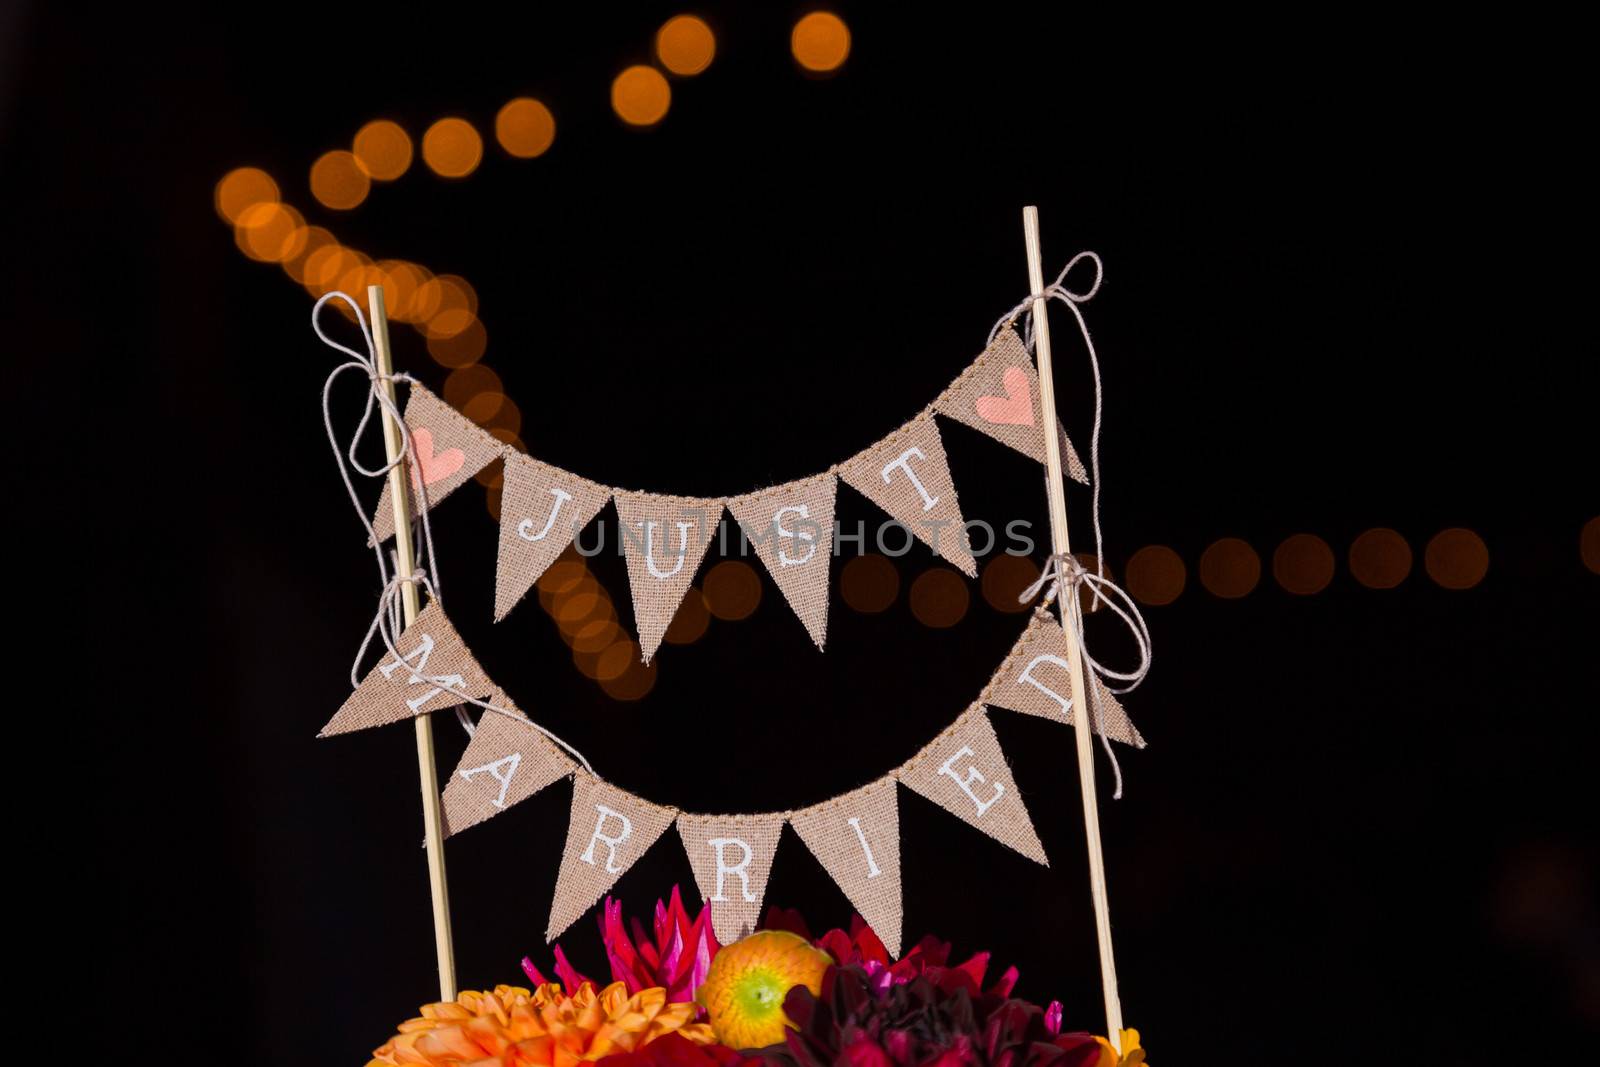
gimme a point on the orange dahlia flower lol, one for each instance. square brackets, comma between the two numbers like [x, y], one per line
[511, 1027]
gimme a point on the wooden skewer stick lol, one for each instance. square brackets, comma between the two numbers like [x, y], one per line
[1080, 706]
[405, 564]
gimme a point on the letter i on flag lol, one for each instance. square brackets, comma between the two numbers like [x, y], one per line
[856, 838]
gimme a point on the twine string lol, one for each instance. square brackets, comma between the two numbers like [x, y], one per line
[1061, 570]
[386, 621]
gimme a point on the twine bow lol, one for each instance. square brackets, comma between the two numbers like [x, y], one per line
[1061, 569]
[386, 621]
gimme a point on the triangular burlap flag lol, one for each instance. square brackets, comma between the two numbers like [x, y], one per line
[506, 762]
[906, 475]
[999, 395]
[664, 538]
[1034, 681]
[731, 856]
[963, 771]
[450, 449]
[791, 528]
[608, 832]
[438, 673]
[856, 837]
[542, 509]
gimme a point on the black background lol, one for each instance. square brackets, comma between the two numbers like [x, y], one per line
[1343, 264]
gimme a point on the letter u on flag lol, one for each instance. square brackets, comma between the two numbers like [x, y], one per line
[438, 672]
[664, 538]
[856, 838]
[731, 856]
[608, 831]
[964, 772]
[450, 449]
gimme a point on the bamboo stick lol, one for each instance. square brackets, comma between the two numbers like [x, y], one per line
[1080, 718]
[405, 564]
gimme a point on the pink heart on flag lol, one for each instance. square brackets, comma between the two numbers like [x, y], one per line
[434, 467]
[1013, 409]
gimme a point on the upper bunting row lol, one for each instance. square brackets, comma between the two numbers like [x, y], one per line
[664, 538]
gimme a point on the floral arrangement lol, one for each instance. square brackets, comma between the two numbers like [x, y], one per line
[777, 998]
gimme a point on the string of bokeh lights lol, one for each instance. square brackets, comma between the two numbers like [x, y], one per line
[443, 309]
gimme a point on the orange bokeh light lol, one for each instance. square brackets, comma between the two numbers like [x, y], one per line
[270, 232]
[869, 583]
[1303, 564]
[462, 349]
[1156, 575]
[633, 683]
[732, 590]
[1230, 568]
[641, 96]
[1380, 558]
[562, 576]
[691, 620]
[820, 42]
[452, 148]
[1456, 558]
[1004, 578]
[939, 598]
[685, 45]
[463, 384]
[311, 241]
[525, 128]
[338, 181]
[243, 188]
[383, 150]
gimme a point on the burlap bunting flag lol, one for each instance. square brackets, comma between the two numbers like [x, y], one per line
[999, 395]
[906, 475]
[856, 838]
[791, 528]
[542, 509]
[441, 673]
[506, 762]
[450, 449]
[608, 831]
[731, 856]
[1034, 681]
[664, 538]
[963, 771]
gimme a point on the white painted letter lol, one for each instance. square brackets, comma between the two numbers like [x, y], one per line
[683, 549]
[972, 776]
[738, 868]
[424, 649]
[527, 524]
[493, 770]
[611, 842]
[872, 864]
[1027, 676]
[784, 559]
[927, 501]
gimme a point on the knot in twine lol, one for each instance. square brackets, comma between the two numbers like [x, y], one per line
[386, 622]
[1061, 568]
